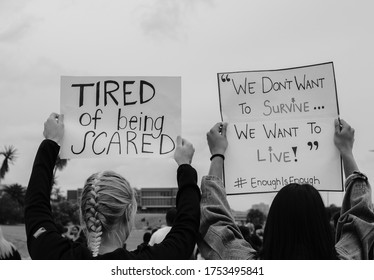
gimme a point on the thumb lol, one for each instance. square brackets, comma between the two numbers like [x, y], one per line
[337, 125]
[224, 129]
[61, 119]
[53, 115]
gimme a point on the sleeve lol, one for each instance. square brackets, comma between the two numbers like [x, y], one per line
[220, 236]
[180, 242]
[43, 238]
[355, 228]
[152, 240]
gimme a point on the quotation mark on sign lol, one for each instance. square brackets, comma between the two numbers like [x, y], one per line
[225, 78]
[240, 182]
[311, 144]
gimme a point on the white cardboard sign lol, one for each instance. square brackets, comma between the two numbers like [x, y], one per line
[120, 116]
[281, 128]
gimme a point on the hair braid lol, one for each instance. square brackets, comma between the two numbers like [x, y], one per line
[92, 217]
[107, 210]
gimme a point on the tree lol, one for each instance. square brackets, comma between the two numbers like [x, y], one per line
[17, 193]
[256, 217]
[56, 191]
[9, 154]
[59, 165]
[12, 204]
[56, 194]
[65, 212]
[10, 212]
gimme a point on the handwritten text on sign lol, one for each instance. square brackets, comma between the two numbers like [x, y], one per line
[132, 116]
[281, 127]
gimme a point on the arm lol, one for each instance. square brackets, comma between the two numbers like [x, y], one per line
[220, 236]
[38, 213]
[217, 143]
[344, 139]
[43, 238]
[355, 228]
[181, 240]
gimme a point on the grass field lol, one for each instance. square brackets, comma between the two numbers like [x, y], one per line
[17, 235]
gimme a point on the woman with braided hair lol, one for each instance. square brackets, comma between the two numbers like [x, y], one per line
[107, 209]
[103, 197]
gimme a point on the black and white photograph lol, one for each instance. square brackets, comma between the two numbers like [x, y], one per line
[165, 139]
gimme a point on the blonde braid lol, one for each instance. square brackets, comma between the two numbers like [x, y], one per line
[108, 207]
[92, 218]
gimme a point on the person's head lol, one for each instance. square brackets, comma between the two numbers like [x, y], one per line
[297, 226]
[170, 216]
[107, 210]
[146, 237]
[74, 230]
[251, 228]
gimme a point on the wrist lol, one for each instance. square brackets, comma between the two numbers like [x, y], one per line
[346, 154]
[218, 151]
[217, 156]
[57, 141]
[183, 161]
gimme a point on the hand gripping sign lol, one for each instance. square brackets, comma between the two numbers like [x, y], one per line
[281, 128]
[120, 116]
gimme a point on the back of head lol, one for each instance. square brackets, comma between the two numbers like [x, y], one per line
[108, 206]
[170, 216]
[251, 228]
[297, 226]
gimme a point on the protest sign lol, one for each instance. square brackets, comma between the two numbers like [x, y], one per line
[281, 128]
[120, 116]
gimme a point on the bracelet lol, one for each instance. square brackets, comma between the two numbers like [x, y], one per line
[217, 155]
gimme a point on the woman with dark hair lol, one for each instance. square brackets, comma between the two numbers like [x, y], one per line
[297, 226]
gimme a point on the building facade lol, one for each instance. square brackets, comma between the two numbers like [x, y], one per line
[156, 200]
[74, 195]
[149, 200]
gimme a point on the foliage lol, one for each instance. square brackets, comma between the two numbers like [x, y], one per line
[9, 154]
[56, 194]
[59, 165]
[10, 210]
[256, 217]
[65, 212]
[17, 193]
[12, 204]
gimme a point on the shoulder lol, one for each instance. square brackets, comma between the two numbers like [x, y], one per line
[161, 231]
[123, 254]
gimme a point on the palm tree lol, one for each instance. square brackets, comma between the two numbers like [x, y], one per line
[9, 154]
[17, 193]
[56, 191]
[59, 165]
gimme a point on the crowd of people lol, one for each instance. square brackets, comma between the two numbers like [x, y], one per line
[202, 225]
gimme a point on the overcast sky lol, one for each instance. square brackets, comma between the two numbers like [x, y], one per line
[43, 40]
